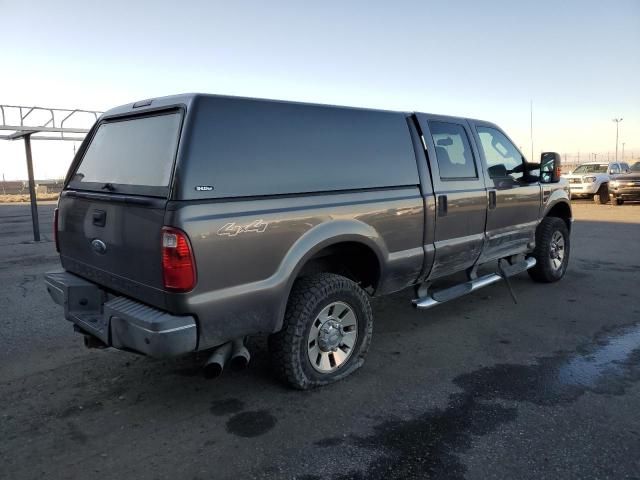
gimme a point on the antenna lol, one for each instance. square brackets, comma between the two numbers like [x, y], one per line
[531, 126]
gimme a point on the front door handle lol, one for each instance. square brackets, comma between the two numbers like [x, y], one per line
[492, 199]
[442, 205]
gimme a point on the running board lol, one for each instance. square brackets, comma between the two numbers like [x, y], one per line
[441, 296]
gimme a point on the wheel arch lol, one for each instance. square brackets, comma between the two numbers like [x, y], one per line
[561, 209]
[326, 245]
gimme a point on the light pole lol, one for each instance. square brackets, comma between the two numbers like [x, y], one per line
[617, 120]
[623, 150]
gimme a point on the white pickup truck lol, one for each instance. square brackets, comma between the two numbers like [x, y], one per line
[592, 179]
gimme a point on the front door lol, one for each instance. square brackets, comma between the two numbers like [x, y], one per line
[514, 194]
[461, 197]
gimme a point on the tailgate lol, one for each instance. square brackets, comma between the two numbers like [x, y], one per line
[113, 243]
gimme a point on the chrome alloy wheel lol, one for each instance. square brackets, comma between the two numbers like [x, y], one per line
[332, 337]
[557, 251]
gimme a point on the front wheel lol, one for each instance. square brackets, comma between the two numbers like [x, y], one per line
[552, 250]
[326, 332]
[602, 196]
[618, 201]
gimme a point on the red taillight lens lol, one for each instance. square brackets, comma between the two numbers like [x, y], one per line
[55, 229]
[178, 266]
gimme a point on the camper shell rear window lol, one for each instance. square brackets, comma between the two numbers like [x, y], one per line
[131, 155]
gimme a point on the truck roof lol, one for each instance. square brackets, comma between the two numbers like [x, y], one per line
[190, 98]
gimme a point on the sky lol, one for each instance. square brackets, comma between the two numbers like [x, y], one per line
[578, 62]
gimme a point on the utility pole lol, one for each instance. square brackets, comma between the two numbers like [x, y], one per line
[623, 151]
[617, 120]
[531, 126]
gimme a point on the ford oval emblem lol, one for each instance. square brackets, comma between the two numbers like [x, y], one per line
[99, 246]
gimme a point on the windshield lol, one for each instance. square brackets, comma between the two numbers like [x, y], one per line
[635, 167]
[126, 154]
[592, 168]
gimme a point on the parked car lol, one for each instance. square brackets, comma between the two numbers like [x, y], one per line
[626, 187]
[592, 179]
[187, 223]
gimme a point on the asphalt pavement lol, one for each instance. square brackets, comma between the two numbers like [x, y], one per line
[479, 388]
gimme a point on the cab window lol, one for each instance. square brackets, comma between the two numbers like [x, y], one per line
[453, 151]
[614, 169]
[502, 157]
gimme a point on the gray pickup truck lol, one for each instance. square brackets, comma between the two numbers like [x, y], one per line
[190, 222]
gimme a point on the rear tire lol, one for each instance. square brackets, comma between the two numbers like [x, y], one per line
[602, 196]
[326, 332]
[553, 247]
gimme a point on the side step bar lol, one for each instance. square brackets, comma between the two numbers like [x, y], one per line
[441, 296]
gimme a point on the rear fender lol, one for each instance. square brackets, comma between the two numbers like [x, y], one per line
[320, 237]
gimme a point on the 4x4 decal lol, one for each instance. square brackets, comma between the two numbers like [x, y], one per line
[232, 229]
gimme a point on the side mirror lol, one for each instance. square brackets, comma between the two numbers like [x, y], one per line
[550, 165]
[498, 171]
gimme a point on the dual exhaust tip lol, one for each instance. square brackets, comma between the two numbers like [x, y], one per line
[233, 353]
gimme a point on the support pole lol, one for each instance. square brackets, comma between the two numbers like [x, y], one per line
[32, 189]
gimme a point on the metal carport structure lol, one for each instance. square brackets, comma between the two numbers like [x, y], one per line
[39, 123]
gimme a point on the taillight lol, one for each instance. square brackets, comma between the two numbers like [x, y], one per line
[178, 266]
[55, 229]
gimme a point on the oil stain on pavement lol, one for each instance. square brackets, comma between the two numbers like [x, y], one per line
[243, 424]
[251, 424]
[428, 446]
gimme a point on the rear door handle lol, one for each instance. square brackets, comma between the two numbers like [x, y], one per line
[492, 199]
[442, 206]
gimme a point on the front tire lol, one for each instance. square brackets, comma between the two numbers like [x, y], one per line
[602, 196]
[552, 250]
[618, 201]
[326, 332]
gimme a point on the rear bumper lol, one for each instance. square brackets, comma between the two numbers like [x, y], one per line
[120, 322]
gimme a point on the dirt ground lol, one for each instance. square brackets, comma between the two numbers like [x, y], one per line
[22, 198]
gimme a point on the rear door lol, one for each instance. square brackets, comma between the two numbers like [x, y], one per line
[514, 196]
[112, 209]
[461, 197]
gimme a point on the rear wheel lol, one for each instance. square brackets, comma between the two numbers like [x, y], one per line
[552, 250]
[602, 196]
[326, 333]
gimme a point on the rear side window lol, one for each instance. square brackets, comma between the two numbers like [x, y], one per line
[243, 147]
[453, 152]
[125, 155]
